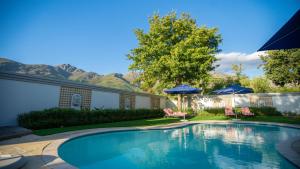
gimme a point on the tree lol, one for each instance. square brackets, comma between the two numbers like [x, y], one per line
[131, 77]
[237, 69]
[260, 85]
[282, 66]
[174, 51]
[245, 81]
[218, 81]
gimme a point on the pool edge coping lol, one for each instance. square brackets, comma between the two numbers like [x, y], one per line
[51, 150]
[286, 150]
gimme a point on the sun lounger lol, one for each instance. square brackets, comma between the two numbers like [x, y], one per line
[169, 113]
[229, 111]
[246, 112]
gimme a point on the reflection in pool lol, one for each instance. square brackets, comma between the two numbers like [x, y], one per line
[195, 146]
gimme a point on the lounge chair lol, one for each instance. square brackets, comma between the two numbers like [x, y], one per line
[246, 112]
[169, 113]
[229, 111]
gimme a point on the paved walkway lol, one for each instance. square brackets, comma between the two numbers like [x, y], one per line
[30, 146]
[13, 132]
[41, 151]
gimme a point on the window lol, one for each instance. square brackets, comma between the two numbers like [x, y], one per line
[76, 101]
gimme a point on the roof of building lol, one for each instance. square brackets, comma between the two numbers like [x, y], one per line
[67, 83]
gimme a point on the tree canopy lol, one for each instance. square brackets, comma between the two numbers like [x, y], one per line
[282, 66]
[174, 51]
[237, 69]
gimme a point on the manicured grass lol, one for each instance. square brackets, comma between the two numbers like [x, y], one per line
[144, 122]
[277, 119]
[209, 117]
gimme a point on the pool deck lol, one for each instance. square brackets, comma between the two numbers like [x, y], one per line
[41, 151]
[9, 132]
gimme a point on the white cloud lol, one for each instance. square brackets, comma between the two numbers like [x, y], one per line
[249, 61]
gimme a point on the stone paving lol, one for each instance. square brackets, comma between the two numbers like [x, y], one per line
[28, 146]
[41, 151]
[8, 132]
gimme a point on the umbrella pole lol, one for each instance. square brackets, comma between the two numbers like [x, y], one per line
[233, 101]
[179, 103]
[234, 104]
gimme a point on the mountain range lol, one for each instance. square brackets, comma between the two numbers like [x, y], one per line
[68, 72]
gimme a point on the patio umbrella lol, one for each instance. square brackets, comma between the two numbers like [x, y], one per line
[233, 89]
[180, 90]
[288, 37]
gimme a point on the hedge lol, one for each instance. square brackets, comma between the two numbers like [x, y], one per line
[259, 111]
[57, 117]
[265, 111]
[215, 111]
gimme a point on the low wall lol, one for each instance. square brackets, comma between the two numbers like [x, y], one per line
[19, 97]
[142, 102]
[23, 93]
[284, 102]
[105, 100]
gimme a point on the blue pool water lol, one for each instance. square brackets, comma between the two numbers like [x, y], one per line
[196, 146]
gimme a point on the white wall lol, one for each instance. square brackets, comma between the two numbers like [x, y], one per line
[287, 103]
[202, 102]
[142, 102]
[105, 100]
[162, 103]
[20, 97]
[241, 101]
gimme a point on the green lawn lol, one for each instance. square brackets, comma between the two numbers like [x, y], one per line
[144, 122]
[209, 117]
[162, 121]
[278, 119]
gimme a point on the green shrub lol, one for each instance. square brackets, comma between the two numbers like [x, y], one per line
[57, 117]
[258, 111]
[291, 114]
[215, 111]
[265, 111]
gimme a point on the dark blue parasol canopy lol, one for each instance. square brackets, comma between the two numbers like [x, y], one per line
[182, 89]
[288, 37]
[233, 89]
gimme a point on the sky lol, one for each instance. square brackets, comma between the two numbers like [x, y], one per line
[96, 35]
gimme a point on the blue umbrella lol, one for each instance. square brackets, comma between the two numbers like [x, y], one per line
[287, 37]
[182, 89]
[233, 89]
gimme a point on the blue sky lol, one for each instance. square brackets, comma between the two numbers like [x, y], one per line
[96, 35]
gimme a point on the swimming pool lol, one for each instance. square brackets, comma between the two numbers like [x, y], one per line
[193, 146]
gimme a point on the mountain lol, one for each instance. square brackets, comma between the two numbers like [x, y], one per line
[67, 72]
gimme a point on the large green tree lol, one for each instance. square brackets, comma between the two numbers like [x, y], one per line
[282, 66]
[174, 51]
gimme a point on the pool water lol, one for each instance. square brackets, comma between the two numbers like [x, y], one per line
[195, 146]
